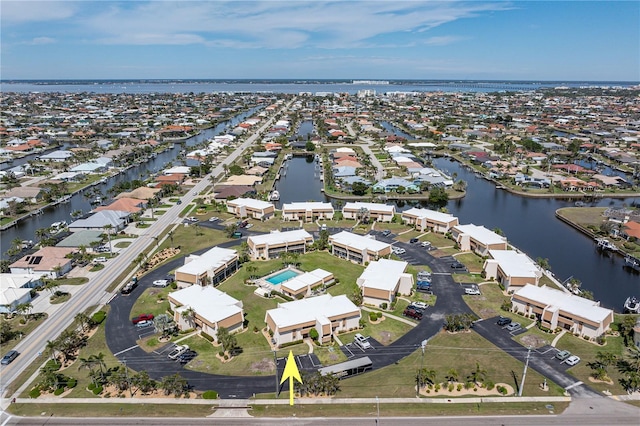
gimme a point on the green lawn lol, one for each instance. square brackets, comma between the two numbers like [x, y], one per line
[472, 261]
[152, 301]
[73, 281]
[19, 331]
[444, 352]
[386, 331]
[587, 352]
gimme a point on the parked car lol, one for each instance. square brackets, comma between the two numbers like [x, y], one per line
[386, 232]
[361, 341]
[100, 259]
[420, 305]
[160, 283]
[400, 251]
[457, 265]
[502, 321]
[472, 290]
[412, 313]
[573, 360]
[144, 324]
[192, 219]
[562, 355]
[425, 244]
[186, 356]
[237, 234]
[177, 351]
[213, 219]
[513, 326]
[142, 317]
[9, 357]
[414, 240]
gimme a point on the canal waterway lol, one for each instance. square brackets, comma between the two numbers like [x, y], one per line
[529, 224]
[393, 129]
[26, 228]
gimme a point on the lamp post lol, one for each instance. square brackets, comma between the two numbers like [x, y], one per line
[423, 345]
[378, 410]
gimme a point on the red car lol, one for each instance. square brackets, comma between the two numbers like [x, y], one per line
[142, 317]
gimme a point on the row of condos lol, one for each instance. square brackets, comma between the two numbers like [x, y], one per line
[251, 208]
[210, 267]
[272, 245]
[358, 248]
[307, 211]
[557, 309]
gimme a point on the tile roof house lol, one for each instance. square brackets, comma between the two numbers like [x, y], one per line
[46, 262]
[124, 204]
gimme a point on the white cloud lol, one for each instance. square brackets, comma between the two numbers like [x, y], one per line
[442, 40]
[22, 11]
[272, 24]
[42, 40]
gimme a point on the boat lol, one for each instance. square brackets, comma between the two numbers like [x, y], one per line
[288, 156]
[632, 305]
[632, 262]
[274, 196]
[579, 204]
[604, 244]
[64, 199]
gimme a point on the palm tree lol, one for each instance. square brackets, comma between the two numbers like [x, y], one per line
[170, 235]
[89, 363]
[52, 348]
[478, 375]
[452, 375]
[83, 320]
[24, 308]
[107, 228]
[189, 316]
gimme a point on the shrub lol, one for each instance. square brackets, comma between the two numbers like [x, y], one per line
[506, 306]
[601, 340]
[313, 333]
[489, 384]
[174, 286]
[58, 391]
[91, 386]
[459, 387]
[71, 383]
[22, 321]
[97, 390]
[34, 393]
[450, 387]
[210, 394]
[98, 317]
[384, 305]
[206, 336]
[295, 342]
[255, 329]
[469, 385]
[226, 357]
[379, 314]
[437, 387]
[52, 365]
[502, 390]
[372, 316]
[221, 353]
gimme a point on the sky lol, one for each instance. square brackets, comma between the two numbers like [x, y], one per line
[372, 40]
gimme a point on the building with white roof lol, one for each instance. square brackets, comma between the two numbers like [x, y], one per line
[477, 239]
[307, 211]
[511, 269]
[382, 280]
[183, 170]
[302, 285]
[249, 207]
[429, 220]
[358, 248]
[268, 246]
[292, 321]
[206, 308]
[557, 309]
[15, 289]
[375, 211]
[211, 267]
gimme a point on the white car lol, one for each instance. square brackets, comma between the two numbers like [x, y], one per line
[420, 305]
[144, 324]
[361, 341]
[425, 244]
[472, 290]
[161, 283]
[573, 360]
[213, 219]
[177, 351]
[100, 259]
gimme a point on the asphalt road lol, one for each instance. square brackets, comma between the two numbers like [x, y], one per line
[94, 292]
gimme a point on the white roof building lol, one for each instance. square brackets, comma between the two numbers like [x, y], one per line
[272, 244]
[382, 279]
[307, 211]
[302, 284]
[425, 219]
[177, 170]
[512, 269]
[213, 309]
[557, 309]
[358, 248]
[214, 264]
[257, 209]
[292, 321]
[377, 211]
[478, 239]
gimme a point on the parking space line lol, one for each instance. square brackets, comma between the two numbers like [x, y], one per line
[125, 350]
[573, 385]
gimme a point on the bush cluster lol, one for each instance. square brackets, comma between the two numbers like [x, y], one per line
[206, 336]
[98, 317]
[210, 394]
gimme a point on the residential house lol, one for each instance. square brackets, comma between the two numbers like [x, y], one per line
[512, 269]
[557, 309]
[358, 248]
[477, 239]
[395, 184]
[113, 220]
[49, 262]
[307, 211]
[269, 246]
[249, 207]
[210, 267]
[15, 289]
[206, 308]
[57, 156]
[124, 204]
[429, 220]
[32, 194]
[383, 280]
[375, 211]
[328, 315]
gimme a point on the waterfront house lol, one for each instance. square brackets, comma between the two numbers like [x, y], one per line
[81, 238]
[32, 194]
[89, 168]
[249, 207]
[395, 184]
[269, 246]
[51, 262]
[477, 239]
[124, 204]
[224, 192]
[75, 176]
[383, 280]
[57, 156]
[141, 193]
[117, 219]
[210, 267]
[328, 315]
[512, 269]
[358, 248]
[557, 309]
[243, 180]
[374, 211]
[207, 309]
[307, 211]
[429, 220]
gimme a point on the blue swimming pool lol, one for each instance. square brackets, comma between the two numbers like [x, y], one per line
[282, 276]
